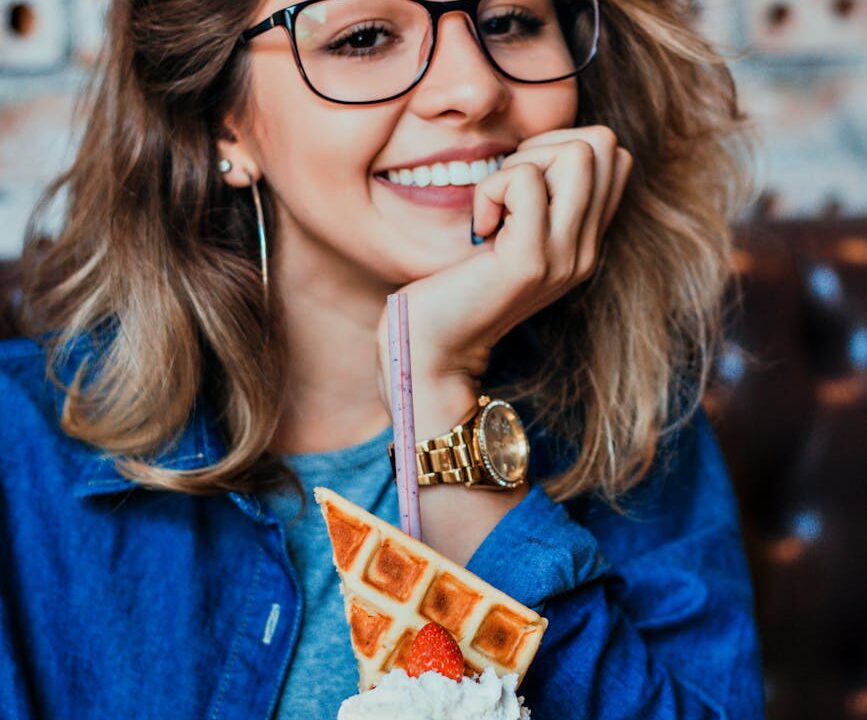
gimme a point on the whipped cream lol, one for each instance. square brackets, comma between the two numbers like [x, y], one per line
[435, 697]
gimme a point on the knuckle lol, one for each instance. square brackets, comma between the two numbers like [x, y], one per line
[606, 135]
[580, 152]
[527, 175]
[527, 170]
[563, 274]
[510, 162]
[581, 157]
[587, 262]
[532, 271]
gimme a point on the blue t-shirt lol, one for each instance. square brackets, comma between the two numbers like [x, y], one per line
[361, 473]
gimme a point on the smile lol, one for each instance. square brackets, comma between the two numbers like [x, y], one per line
[454, 173]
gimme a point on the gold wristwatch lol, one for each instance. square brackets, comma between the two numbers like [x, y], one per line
[486, 450]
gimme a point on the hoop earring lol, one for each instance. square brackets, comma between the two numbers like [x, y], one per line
[263, 242]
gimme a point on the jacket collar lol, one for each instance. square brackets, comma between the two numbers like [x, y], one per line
[199, 445]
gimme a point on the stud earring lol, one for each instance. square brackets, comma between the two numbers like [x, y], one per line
[263, 242]
[224, 166]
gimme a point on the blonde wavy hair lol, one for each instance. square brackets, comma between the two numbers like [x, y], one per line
[157, 256]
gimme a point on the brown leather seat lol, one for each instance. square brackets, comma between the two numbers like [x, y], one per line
[9, 295]
[790, 410]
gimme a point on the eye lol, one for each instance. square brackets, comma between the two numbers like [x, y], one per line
[362, 41]
[515, 23]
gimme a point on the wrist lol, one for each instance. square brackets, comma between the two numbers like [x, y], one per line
[487, 449]
[440, 405]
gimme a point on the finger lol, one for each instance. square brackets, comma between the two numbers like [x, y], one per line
[555, 137]
[591, 246]
[584, 237]
[569, 170]
[591, 239]
[495, 199]
[622, 173]
[604, 142]
[520, 194]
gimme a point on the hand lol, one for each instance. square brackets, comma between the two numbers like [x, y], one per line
[559, 192]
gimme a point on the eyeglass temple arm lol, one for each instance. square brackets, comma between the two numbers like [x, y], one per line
[262, 27]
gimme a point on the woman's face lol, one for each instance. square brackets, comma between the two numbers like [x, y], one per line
[323, 160]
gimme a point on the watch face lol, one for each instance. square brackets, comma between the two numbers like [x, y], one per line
[503, 443]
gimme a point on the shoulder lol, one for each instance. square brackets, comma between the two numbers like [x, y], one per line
[25, 375]
[32, 441]
[690, 473]
[690, 465]
[18, 352]
[34, 445]
[27, 395]
[686, 493]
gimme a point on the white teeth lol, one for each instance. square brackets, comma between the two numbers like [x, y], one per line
[459, 173]
[439, 175]
[422, 176]
[454, 173]
[479, 171]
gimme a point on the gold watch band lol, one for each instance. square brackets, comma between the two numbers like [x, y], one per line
[448, 458]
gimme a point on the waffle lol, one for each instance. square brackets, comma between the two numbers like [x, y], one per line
[393, 585]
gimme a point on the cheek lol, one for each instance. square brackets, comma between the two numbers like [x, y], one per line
[542, 108]
[314, 152]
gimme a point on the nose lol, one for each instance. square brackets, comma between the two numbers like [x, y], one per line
[460, 82]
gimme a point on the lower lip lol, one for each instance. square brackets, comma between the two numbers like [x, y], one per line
[458, 197]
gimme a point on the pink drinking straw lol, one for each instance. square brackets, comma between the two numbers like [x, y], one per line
[403, 421]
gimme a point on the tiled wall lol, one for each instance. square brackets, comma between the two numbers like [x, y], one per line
[802, 69]
[46, 49]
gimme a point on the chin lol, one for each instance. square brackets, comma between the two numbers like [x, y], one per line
[399, 256]
[443, 251]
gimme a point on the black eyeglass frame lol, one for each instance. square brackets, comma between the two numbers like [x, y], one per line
[286, 18]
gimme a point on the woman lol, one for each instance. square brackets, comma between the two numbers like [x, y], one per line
[253, 182]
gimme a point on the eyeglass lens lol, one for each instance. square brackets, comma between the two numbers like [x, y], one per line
[369, 50]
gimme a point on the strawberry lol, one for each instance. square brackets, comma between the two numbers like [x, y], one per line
[435, 649]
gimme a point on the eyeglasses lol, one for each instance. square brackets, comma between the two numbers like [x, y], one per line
[367, 51]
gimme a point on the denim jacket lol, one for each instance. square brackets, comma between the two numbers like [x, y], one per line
[121, 602]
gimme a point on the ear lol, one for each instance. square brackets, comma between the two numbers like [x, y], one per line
[234, 146]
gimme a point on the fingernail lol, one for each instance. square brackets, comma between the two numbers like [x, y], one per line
[475, 239]
[478, 239]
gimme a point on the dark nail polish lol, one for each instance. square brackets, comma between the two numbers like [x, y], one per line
[478, 239]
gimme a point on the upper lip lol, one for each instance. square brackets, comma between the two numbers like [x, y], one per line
[465, 154]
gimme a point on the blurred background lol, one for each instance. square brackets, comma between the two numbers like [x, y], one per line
[790, 399]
